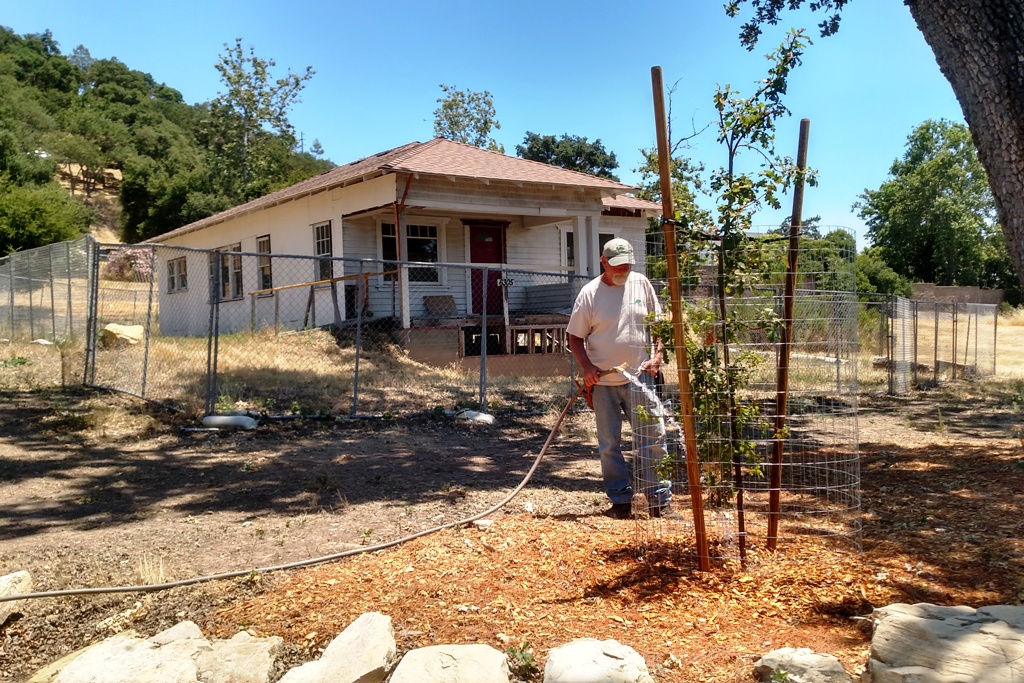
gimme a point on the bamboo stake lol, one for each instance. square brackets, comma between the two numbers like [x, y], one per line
[678, 327]
[782, 376]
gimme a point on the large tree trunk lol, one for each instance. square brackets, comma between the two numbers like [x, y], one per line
[979, 45]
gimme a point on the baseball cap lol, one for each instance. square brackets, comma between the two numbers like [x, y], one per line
[618, 252]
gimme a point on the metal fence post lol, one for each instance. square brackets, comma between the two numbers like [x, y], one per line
[995, 338]
[212, 336]
[571, 289]
[360, 292]
[69, 323]
[93, 295]
[53, 302]
[483, 340]
[956, 340]
[10, 277]
[915, 322]
[149, 320]
[31, 304]
[890, 338]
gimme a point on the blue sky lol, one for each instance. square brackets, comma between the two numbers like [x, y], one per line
[582, 68]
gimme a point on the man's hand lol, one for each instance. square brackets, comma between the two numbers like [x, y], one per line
[652, 365]
[591, 376]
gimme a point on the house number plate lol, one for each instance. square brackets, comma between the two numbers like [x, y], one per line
[506, 282]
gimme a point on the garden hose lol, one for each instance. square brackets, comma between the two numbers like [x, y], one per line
[149, 588]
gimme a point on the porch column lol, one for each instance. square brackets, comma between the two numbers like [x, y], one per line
[581, 244]
[594, 255]
[403, 295]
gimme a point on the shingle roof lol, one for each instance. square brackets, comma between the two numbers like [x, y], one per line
[436, 157]
[624, 201]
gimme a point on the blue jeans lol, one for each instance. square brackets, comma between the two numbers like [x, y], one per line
[610, 402]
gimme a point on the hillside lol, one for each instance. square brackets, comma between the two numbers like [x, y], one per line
[102, 199]
[74, 117]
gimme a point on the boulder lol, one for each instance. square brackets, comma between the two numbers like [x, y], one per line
[587, 660]
[179, 654]
[801, 665]
[475, 663]
[243, 658]
[114, 336]
[363, 653]
[13, 584]
[926, 643]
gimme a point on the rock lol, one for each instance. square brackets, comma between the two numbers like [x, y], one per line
[587, 660]
[126, 659]
[179, 654]
[230, 422]
[467, 415]
[801, 666]
[931, 644]
[363, 653]
[242, 659]
[118, 336]
[13, 584]
[476, 663]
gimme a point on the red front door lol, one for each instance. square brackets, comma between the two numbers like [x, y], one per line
[486, 245]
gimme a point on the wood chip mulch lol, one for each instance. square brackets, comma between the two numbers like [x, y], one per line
[942, 524]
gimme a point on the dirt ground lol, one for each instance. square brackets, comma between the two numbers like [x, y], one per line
[100, 490]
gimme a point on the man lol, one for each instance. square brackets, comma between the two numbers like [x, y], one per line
[607, 331]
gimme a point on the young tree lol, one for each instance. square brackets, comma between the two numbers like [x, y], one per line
[721, 239]
[253, 108]
[976, 45]
[467, 116]
[934, 219]
[569, 151]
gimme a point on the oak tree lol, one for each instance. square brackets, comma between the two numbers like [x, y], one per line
[977, 45]
[468, 117]
[569, 151]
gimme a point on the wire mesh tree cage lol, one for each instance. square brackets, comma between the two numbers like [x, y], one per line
[734, 358]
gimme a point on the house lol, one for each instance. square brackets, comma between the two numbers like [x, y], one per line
[444, 239]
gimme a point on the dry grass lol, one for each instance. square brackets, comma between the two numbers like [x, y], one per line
[309, 373]
[1010, 344]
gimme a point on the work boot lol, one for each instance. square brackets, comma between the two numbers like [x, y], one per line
[665, 512]
[619, 511]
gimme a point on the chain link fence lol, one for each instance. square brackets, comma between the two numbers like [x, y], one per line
[210, 331]
[44, 292]
[906, 344]
[289, 335]
[215, 330]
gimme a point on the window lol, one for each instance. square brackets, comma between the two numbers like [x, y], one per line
[230, 272]
[388, 245]
[266, 275]
[324, 248]
[422, 244]
[177, 275]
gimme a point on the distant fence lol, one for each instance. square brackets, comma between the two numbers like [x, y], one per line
[215, 329]
[923, 343]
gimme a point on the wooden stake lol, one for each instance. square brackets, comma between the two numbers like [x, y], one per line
[678, 326]
[782, 376]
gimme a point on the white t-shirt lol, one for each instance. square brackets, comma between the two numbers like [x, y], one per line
[611, 322]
